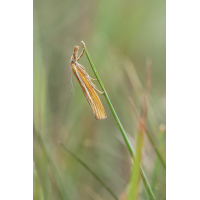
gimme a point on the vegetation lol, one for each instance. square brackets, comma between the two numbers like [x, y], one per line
[121, 36]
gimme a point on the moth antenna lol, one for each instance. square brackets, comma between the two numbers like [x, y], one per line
[70, 80]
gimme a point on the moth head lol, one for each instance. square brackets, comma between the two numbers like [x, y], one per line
[73, 61]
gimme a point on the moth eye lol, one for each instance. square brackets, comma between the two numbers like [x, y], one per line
[73, 61]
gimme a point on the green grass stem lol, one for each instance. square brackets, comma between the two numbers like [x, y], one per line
[126, 140]
[149, 136]
[38, 138]
[157, 164]
[135, 175]
[91, 172]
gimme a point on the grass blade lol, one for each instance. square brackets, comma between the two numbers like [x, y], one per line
[38, 140]
[93, 173]
[126, 140]
[135, 176]
[149, 136]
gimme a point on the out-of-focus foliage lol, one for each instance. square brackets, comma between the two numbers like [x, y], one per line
[120, 36]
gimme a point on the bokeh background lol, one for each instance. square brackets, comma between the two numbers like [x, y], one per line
[120, 37]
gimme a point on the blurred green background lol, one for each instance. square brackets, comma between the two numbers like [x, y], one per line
[120, 36]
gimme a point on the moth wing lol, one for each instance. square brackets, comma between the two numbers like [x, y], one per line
[90, 94]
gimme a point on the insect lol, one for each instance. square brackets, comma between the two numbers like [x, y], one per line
[86, 84]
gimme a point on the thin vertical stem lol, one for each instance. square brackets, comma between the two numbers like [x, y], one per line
[149, 136]
[126, 140]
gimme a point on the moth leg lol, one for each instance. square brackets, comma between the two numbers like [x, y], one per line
[81, 54]
[94, 87]
[89, 80]
[80, 67]
[93, 79]
[99, 91]
[85, 73]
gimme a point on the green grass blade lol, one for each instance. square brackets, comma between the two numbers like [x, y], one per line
[155, 148]
[135, 176]
[145, 181]
[93, 173]
[38, 191]
[38, 140]
[157, 164]
[149, 136]
[136, 83]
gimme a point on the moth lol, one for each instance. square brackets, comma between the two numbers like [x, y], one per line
[88, 88]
